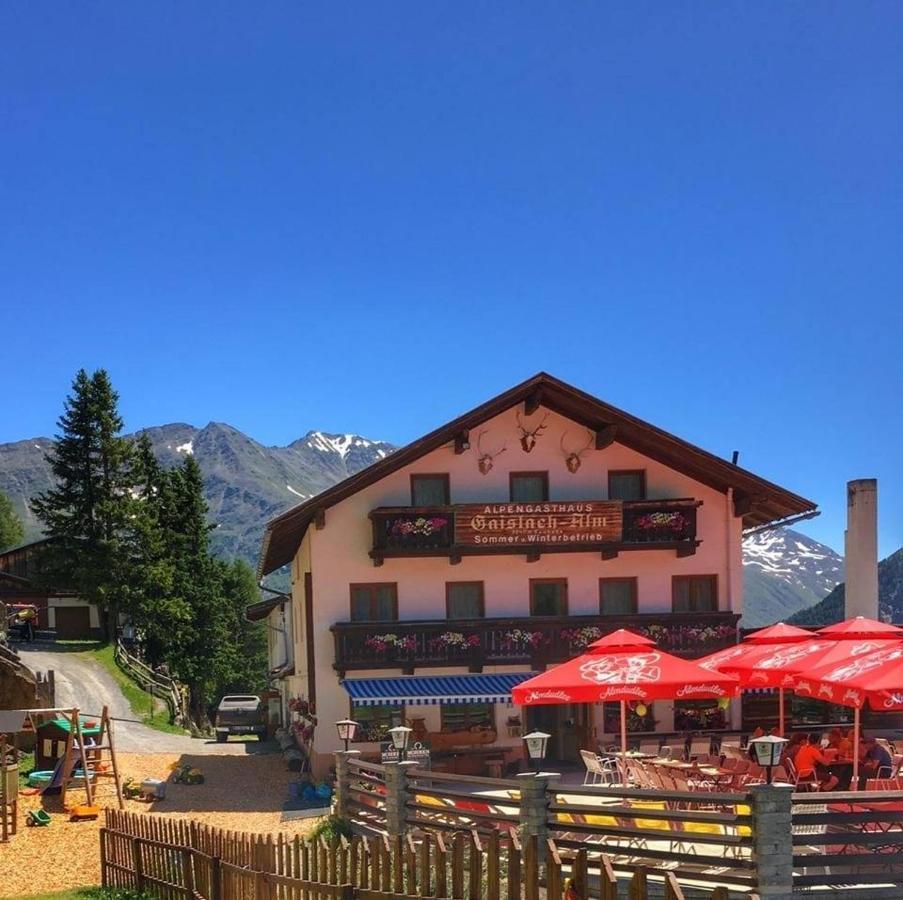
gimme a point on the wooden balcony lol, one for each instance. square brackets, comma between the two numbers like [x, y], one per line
[534, 642]
[606, 527]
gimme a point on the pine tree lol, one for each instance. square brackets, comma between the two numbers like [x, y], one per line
[12, 531]
[87, 510]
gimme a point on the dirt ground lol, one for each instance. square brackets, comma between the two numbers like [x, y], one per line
[244, 793]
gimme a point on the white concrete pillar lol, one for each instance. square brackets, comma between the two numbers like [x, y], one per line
[861, 548]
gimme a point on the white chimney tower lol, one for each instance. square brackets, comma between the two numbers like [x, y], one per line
[861, 548]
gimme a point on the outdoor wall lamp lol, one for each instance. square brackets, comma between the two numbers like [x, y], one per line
[536, 743]
[347, 730]
[768, 750]
[400, 736]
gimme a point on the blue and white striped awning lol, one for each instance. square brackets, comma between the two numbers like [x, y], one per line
[434, 689]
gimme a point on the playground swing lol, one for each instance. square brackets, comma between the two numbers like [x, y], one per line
[79, 767]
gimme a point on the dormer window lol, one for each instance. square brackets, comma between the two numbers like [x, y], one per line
[430, 490]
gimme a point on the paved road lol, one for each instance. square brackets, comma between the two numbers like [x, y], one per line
[83, 682]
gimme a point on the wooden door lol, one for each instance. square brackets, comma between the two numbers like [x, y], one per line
[72, 622]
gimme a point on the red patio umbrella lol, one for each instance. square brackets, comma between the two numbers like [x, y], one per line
[874, 677]
[740, 659]
[623, 666]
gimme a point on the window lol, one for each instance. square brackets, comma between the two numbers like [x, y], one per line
[548, 597]
[529, 487]
[374, 602]
[694, 593]
[636, 723]
[700, 715]
[627, 484]
[375, 721]
[464, 600]
[466, 716]
[430, 490]
[617, 596]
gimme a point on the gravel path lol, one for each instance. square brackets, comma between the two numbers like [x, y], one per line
[83, 682]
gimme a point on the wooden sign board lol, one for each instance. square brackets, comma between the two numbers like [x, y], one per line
[523, 524]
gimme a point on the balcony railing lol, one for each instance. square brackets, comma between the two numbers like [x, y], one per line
[534, 641]
[608, 526]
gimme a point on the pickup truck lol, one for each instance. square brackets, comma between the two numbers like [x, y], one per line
[240, 714]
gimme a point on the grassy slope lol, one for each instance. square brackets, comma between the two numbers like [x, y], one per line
[147, 708]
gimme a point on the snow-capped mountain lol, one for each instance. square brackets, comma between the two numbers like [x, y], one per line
[785, 571]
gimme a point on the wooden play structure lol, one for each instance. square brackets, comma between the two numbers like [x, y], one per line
[81, 746]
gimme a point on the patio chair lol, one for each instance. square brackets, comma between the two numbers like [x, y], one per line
[809, 783]
[594, 770]
[649, 746]
[699, 746]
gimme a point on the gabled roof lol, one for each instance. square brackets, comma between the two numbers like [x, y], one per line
[760, 502]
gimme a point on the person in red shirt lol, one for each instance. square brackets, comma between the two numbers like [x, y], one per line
[810, 762]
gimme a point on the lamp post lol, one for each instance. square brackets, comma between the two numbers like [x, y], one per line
[400, 736]
[536, 743]
[347, 730]
[768, 750]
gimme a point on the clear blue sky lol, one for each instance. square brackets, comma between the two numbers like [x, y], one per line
[371, 216]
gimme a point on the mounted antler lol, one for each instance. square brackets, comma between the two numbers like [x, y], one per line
[484, 460]
[572, 458]
[528, 436]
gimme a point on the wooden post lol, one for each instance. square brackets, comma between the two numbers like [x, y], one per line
[553, 873]
[608, 880]
[216, 879]
[137, 864]
[580, 874]
[514, 867]
[103, 858]
[441, 868]
[638, 889]
[672, 888]
[187, 874]
[475, 873]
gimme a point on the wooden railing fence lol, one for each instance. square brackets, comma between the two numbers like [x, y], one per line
[161, 686]
[179, 859]
[828, 842]
[850, 840]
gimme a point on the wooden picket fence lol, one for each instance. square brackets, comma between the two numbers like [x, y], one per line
[176, 859]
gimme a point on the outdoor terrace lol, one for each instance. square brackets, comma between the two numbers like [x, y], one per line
[534, 641]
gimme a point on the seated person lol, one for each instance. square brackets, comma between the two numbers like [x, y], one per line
[811, 763]
[874, 759]
[792, 745]
[845, 745]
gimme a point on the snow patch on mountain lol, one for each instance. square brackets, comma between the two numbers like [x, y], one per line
[785, 571]
[341, 443]
[186, 448]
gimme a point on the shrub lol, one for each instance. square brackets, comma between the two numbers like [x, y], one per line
[332, 828]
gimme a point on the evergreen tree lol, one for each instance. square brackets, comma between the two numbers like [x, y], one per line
[88, 509]
[200, 653]
[249, 638]
[153, 606]
[12, 531]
